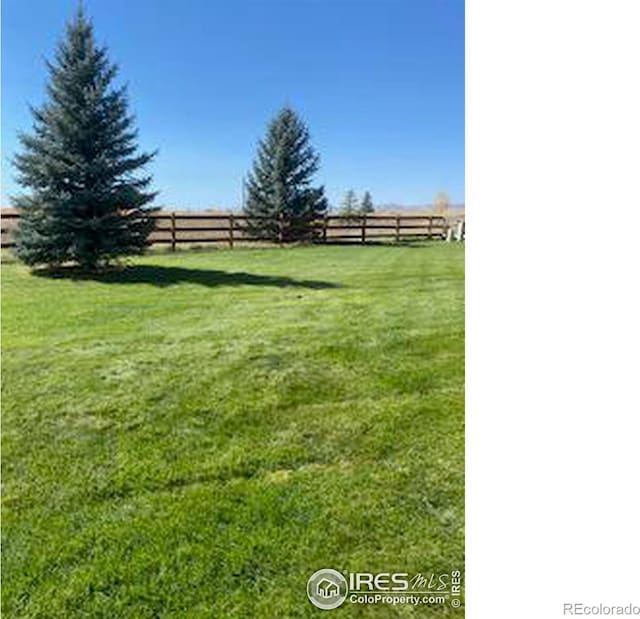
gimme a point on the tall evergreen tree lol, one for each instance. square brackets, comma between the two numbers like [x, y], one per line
[349, 206]
[366, 206]
[86, 202]
[281, 203]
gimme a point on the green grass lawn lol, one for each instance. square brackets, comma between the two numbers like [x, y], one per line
[196, 436]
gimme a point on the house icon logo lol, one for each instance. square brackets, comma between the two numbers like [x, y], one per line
[327, 589]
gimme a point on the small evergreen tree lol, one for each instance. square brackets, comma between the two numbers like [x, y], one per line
[86, 203]
[367, 204]
[281, 203]
[349, 206]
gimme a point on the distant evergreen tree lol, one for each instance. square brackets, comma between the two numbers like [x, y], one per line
[279, 185]
[86, 204]
[366, 205]
[349, 206]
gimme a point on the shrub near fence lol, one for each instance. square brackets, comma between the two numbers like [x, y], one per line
[175, 229]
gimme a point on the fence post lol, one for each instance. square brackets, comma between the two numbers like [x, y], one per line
[397, 228]
[231, 231]
[460, 231]
[430, 228]
[364, 229]
[325, 223]
[173, 231]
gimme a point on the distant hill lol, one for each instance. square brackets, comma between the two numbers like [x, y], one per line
[414, 207]
[456, 210]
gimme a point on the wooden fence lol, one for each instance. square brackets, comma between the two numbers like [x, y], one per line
[175, 229]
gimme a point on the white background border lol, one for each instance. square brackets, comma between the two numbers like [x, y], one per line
[553, 306]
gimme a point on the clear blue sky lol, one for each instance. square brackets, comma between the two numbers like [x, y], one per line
[379, 82]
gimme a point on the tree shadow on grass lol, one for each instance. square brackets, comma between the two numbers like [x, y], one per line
[163, 277]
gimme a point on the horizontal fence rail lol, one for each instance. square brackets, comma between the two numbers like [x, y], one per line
[172, 228]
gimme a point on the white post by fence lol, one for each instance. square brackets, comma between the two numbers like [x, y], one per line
[460, 231]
